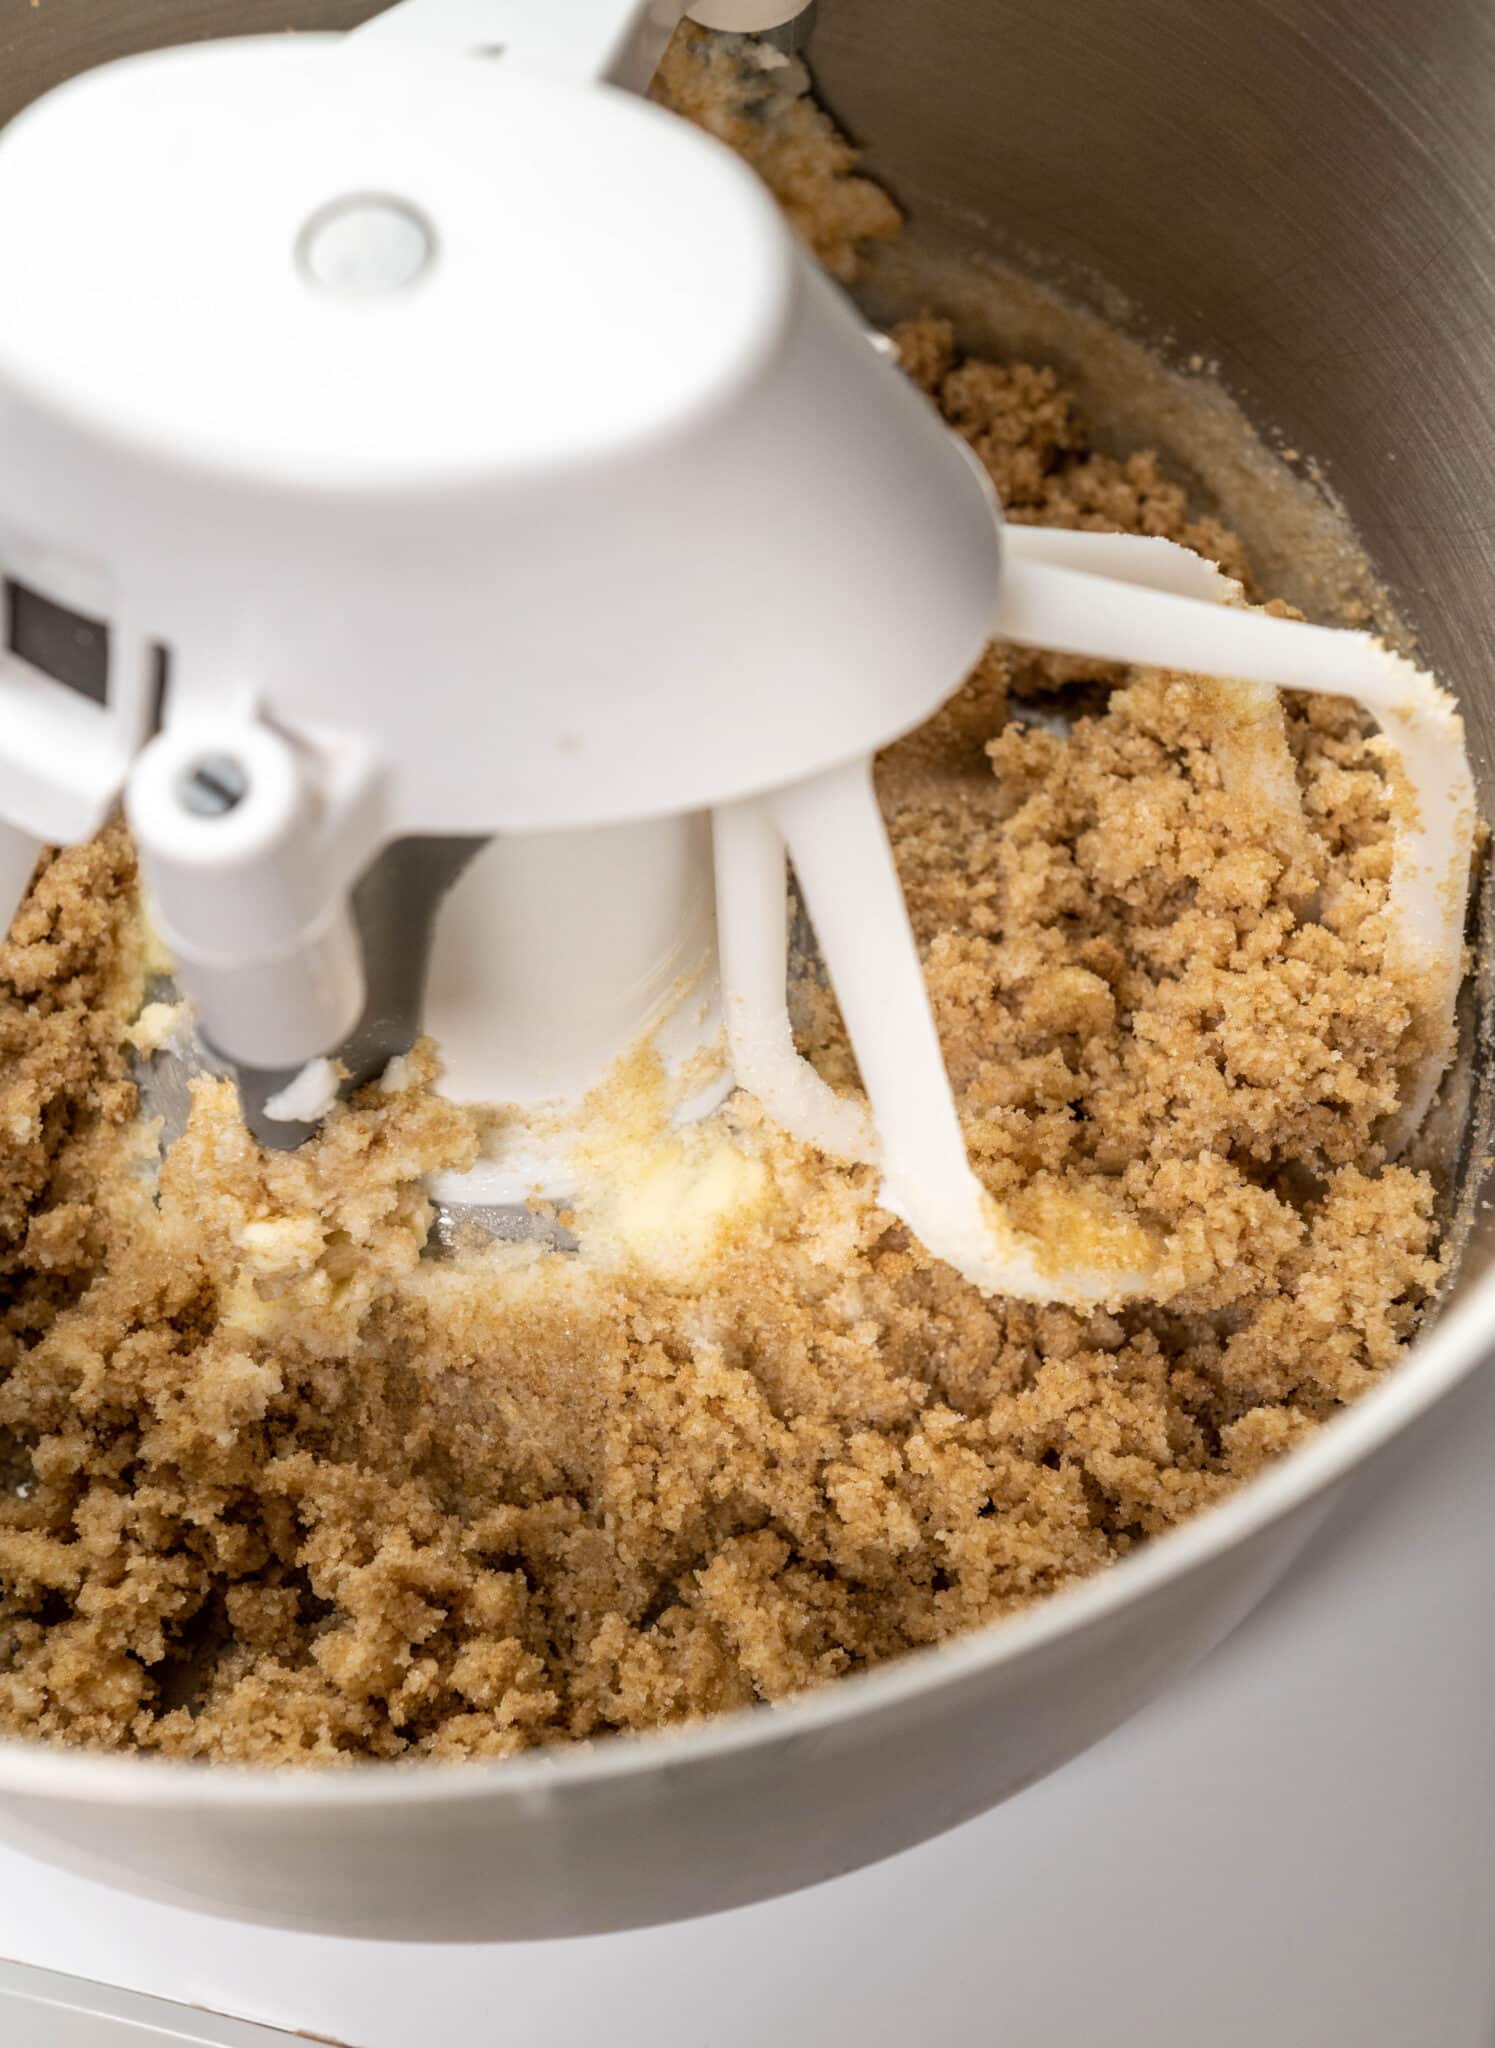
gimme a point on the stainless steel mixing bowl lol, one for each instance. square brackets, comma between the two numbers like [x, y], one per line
[1305, 191]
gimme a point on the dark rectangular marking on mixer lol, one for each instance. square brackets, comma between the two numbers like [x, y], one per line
[160, 687]
[68, 646]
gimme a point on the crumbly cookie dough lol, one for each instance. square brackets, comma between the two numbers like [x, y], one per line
[759, 104]
[275, 1487]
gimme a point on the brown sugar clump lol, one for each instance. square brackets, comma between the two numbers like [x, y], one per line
[759, 104]
[278, 1486]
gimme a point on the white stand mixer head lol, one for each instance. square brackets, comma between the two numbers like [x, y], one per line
[510, 531]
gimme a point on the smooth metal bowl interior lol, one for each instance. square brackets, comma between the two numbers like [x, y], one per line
[1302, 191]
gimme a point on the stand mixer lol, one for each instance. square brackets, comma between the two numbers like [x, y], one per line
[264, 556]
[384, 604]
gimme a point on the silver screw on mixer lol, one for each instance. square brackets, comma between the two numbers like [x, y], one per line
[213, 786]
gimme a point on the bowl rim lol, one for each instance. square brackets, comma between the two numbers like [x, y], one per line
[1455, 1345]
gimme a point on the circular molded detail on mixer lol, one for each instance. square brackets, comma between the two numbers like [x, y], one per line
[365, 246]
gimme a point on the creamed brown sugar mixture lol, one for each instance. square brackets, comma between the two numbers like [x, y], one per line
[276, 1486]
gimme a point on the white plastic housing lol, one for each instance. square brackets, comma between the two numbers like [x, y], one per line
[554, 954]
[583, 42]
[617, 42]
[589, 500]
[746, 17]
